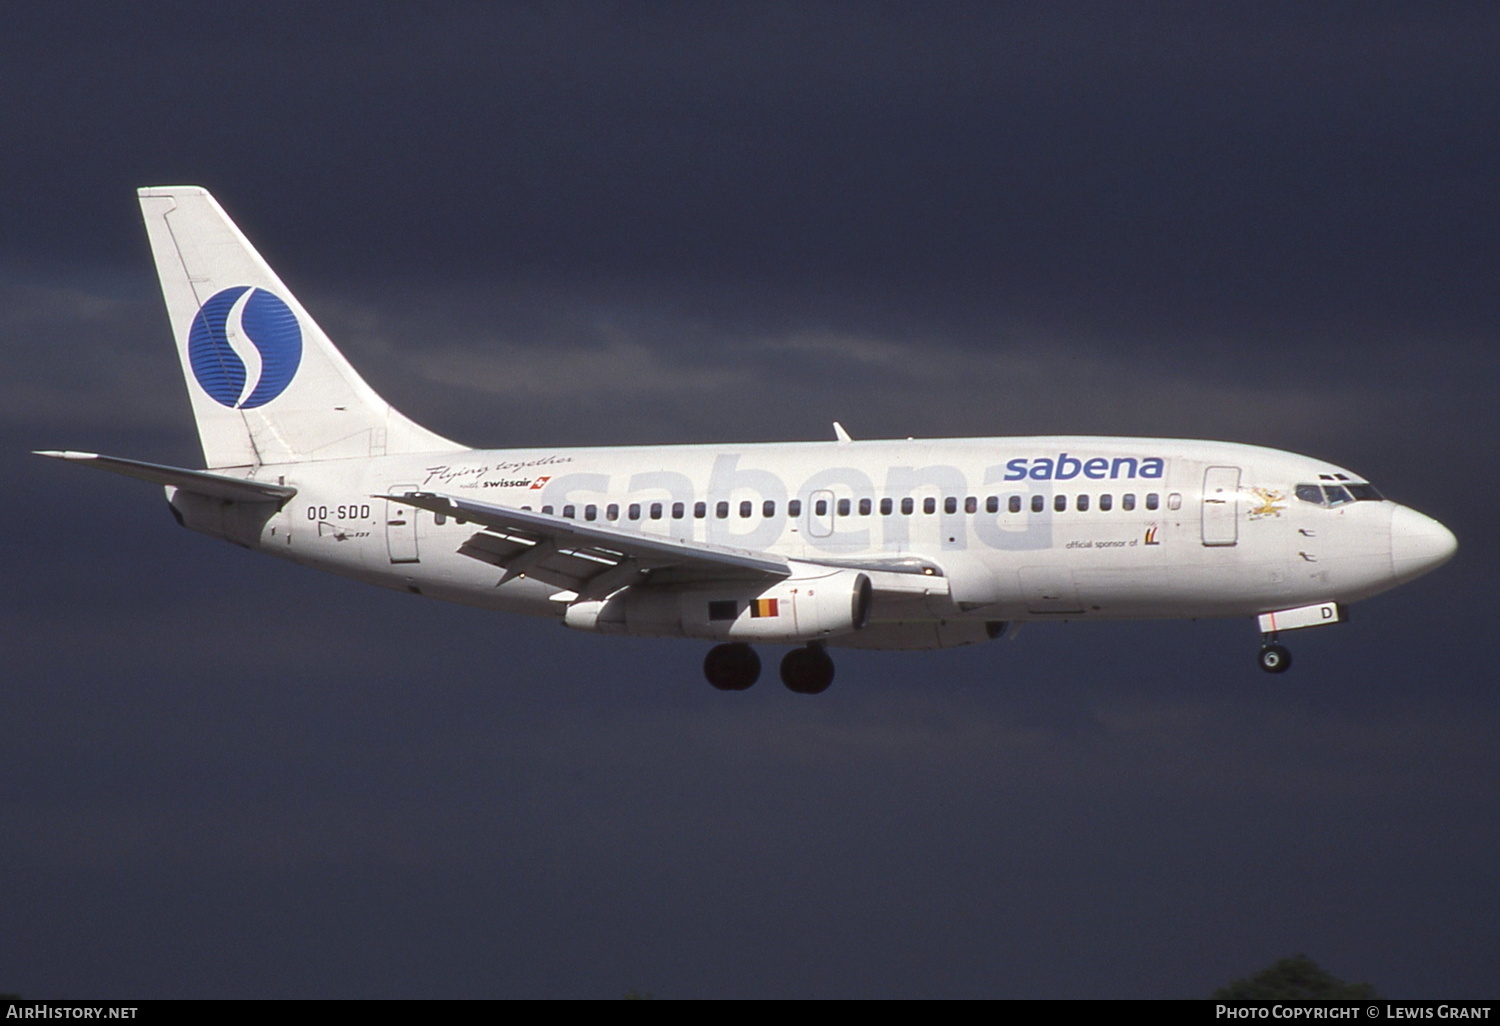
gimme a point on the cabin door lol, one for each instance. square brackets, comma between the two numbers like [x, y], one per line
[820, 514]
[1221, 506]
[401, 526]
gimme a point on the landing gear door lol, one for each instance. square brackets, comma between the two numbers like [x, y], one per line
[1221, 506]
[401, 526]
[1050, 589]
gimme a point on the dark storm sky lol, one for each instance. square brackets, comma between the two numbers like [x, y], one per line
[562, 224]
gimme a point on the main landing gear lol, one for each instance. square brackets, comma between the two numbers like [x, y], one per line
[807, 671]
[1274, 658]
[735, 666]
[732, 667]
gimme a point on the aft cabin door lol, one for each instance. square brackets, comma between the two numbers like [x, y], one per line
[1221, 506]
[401, 526]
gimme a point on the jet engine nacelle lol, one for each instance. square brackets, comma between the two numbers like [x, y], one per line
[817, 603]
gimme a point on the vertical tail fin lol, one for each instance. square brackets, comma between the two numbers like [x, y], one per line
[267, 385]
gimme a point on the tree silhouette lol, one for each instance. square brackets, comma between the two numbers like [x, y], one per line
[1298, 977]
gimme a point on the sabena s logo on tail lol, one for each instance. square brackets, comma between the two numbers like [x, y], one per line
[244, 347]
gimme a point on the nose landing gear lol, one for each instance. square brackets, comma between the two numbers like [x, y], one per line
[1275, 658]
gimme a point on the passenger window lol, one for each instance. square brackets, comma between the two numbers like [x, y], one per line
[568, 512]
[590, 512]
[768, 508]
[794, 508]
[1083, 504]
[820, 508]
[885, 507]
[929, 505]
[635, 511]
[865, 507]
[907, 506]
[677, 510]
[1038, 503]
[950, 504]
[746, 508]
[721, 510]
[700, 510]
[1060, 503]
[992, 504]
[1015, 504]
[547, 510]
[843, 507]
[656, 511]
[1127, 501]
[1106, 502]
[1174, 501]
[612, 511]
[1152, 500]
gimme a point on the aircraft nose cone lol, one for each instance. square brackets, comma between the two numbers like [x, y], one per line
[1418, 543]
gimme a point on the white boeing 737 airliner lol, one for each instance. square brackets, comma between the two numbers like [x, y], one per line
[914, 544]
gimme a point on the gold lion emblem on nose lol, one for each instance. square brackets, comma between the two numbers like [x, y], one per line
[1268, 503]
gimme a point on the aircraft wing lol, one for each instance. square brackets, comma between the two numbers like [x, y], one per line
[590, 559]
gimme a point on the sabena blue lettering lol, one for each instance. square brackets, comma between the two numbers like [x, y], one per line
[1097, 468]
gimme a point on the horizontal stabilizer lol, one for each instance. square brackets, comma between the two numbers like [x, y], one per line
[199, 482]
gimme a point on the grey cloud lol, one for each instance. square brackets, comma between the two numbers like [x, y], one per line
[80, 357]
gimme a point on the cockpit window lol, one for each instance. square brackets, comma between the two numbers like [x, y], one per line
[1338, 495]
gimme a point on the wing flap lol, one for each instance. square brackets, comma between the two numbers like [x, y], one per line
[586, 558]
[594, 560]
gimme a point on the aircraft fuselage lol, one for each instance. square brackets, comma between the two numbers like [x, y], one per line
[1022, 528]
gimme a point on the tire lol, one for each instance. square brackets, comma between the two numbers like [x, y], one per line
[732, 667]
[807, 671]
[1275, 659]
